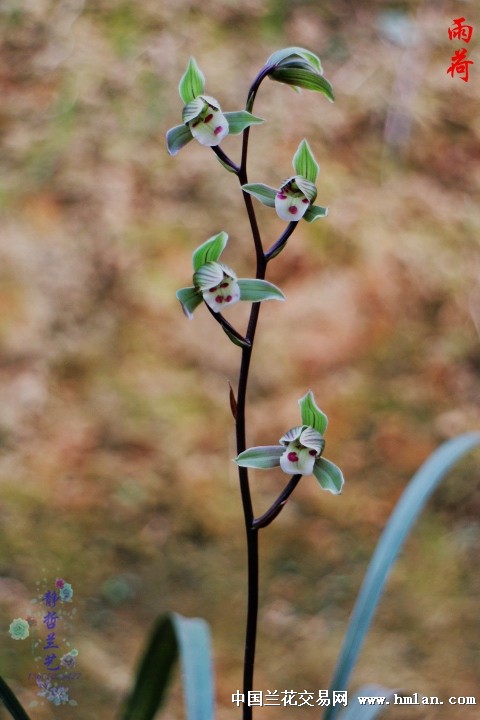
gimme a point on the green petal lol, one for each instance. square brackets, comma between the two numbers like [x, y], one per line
[296, 55]
[311, 413]
[208, 276]
[263, 457]
[238, 121]
[210, 251]
[306, 187]
[292, 435]
[190, 298]
[264, 193]
[193, 109]
[312, 439]
[305, 164]
[177, 137]
[257, 290]
[192, 83]
[299, 77]
[315, 212]
[328, 475]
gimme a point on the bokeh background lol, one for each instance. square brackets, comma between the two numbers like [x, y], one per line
[115, 427]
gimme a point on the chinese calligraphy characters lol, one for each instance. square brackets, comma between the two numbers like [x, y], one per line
[459, 63]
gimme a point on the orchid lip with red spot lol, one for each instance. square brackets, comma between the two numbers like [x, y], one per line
[291, 200]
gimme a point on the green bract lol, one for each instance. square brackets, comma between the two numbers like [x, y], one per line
[217, 284]
[202, 116]
[293, 200]
[300, 449]
[300, 68]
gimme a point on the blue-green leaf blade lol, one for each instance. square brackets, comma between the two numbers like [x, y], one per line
[406, 512]
[193, 638]
[154, 672]
[174, 636]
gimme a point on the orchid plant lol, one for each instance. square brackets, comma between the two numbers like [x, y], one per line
[216, 285]
[299, 451]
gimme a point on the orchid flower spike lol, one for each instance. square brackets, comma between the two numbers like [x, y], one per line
[300, 450]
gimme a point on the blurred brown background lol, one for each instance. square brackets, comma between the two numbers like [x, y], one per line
[116, 435]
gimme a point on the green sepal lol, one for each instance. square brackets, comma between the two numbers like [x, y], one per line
[315, 212]
[264, 193]
[304, 162]
[296, 56]
[299, 77]
[328, 475]
[311, 413]
[238, 121]
[307, 187]
[210, 250]
[192, 109]
[190, 299]
[263, 457]
[177, 137]
[254, 290]
[208, 276]
[192, 83]
[235, 339]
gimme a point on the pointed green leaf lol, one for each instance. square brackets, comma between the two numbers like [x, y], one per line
[177, 137]
[262, 192]
[304, 162]
[328, 475]
[406, 512]
[311, 413]
[296, 55]
[238, 121]
[262, 457]
[190, 298]
[173, 636]
[192, 109]
[210, 250]
[9, 699]
[300, 77]
[258, 290]
[315, 212]
[192, 83]
[236, 339]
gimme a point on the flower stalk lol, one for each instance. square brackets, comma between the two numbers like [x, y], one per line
[217, 287]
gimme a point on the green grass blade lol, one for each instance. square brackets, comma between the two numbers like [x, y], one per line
[406, 512]
[174, 636]
[9, 699]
